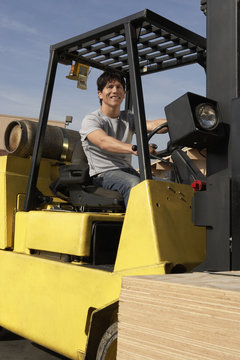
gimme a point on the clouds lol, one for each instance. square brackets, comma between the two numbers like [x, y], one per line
[29, 27]
[15, 100]
[10, 24]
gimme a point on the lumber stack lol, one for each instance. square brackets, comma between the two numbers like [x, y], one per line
[180, 317]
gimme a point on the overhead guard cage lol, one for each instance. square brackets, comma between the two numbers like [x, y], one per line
[136, 45]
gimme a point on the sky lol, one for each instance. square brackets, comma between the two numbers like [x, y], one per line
[29, 27]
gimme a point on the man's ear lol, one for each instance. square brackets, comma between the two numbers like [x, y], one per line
[99, 94]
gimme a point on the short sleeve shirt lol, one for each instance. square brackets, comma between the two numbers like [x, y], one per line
[121, 128]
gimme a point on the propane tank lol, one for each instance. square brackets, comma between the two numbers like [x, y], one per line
[58, 143]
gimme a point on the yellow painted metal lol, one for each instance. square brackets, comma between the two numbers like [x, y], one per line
[57, 231]
[20, 202]
[160, 269]
[158, 228]
[21, 221]
[48, 301]
[13, 181]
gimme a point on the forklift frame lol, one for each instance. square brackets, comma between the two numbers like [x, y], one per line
[136, 45]
[145, 43]
[156, 238]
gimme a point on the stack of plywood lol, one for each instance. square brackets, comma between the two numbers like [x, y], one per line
[180, 317]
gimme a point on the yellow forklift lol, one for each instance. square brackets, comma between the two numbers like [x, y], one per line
[65, 245]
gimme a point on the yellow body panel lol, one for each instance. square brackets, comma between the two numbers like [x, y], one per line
[48, 302]
[158, 228]
[51, 302]
[55, 231]
[13, 181]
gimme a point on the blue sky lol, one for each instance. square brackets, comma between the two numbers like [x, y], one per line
[29, 27]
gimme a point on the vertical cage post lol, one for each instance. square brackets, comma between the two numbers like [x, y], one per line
[38, 145]
[138, 102]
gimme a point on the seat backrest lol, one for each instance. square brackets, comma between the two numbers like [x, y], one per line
[75, 183]
[78, 155]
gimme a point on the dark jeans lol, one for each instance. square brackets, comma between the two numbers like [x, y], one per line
[121, 180]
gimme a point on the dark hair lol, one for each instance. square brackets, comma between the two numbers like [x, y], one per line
[109, 76]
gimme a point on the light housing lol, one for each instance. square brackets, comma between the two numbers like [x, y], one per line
[194, 121]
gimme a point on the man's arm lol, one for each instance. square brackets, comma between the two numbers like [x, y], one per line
[109, 143]
[151, 125]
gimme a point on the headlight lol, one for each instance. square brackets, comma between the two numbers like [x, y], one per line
[195, 121]
[207, 117]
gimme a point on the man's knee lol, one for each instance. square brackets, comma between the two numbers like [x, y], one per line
[133, 182]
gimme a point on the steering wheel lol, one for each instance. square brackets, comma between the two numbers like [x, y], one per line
[158, 128]
[161, 153]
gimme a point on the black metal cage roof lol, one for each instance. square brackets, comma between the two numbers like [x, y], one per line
[161, 45]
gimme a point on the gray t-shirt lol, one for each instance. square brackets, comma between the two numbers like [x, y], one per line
[121, 128]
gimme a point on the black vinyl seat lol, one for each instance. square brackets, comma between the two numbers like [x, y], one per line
[74, 185]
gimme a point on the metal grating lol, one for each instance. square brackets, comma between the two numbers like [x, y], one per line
[161, 45]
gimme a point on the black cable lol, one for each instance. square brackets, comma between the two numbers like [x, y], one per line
[160, 158]
[175, 170]
[202, 154]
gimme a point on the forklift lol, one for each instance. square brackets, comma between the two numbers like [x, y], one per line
[65, 245]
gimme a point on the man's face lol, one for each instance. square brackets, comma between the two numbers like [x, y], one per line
[112, 94]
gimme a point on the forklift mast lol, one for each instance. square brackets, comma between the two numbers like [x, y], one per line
[218, 208]
[145, 43]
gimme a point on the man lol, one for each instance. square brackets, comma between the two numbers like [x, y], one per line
[106, 136]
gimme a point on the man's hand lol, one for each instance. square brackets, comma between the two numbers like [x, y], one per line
[152, 149]
[151, 125]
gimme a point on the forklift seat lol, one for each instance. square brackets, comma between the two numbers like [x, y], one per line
[76, 186]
